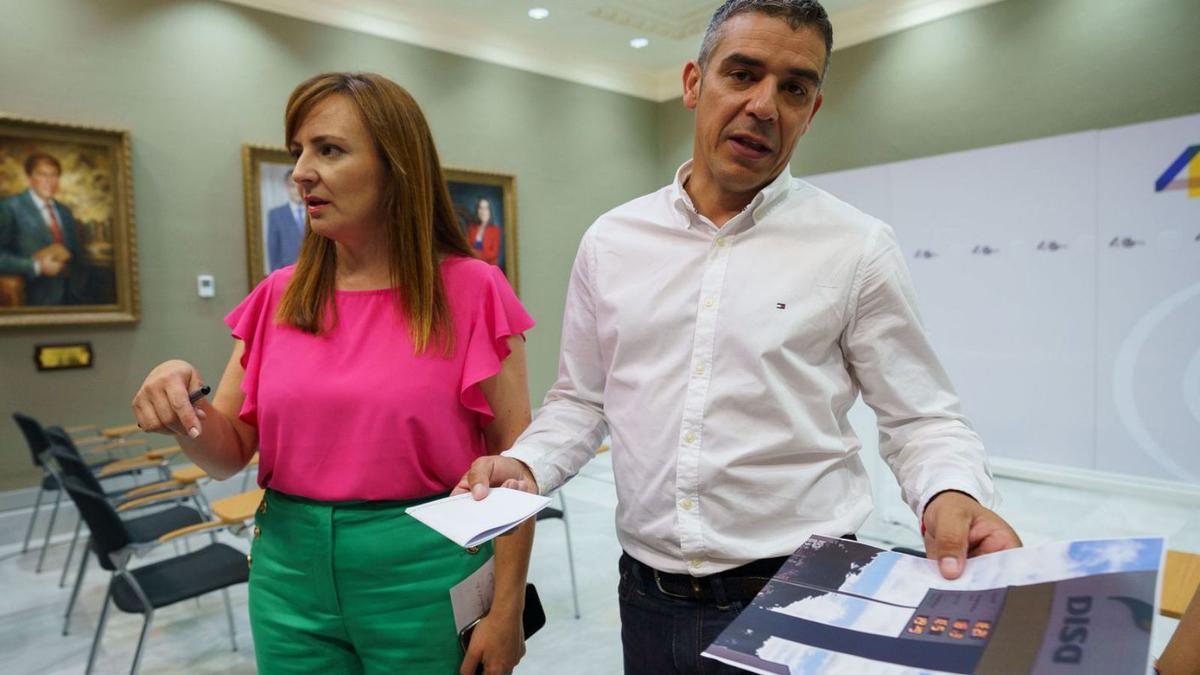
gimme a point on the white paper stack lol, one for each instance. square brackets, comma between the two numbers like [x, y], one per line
[468, 522]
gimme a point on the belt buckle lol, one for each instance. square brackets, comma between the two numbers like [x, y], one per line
[658, 583]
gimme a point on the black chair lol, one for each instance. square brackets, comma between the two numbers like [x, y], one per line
[35, 438]
[57, 436]
[143, 590]
[550, 513]
[144, 530]
[37, 441]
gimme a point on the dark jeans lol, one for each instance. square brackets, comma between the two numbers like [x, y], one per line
[665, 626]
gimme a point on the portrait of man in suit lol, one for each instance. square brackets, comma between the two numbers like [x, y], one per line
[285, 228]
[41, 257]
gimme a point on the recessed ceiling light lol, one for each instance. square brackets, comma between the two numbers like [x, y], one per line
[638, 43]
[539, 13]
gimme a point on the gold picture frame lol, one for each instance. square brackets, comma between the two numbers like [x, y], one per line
[496, 243]
[270, 243]
[68, 244]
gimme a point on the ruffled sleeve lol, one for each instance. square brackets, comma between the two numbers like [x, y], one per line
[499, 315]
[250, 322]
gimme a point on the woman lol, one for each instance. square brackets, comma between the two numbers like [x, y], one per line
[369, 375]
[484, 235]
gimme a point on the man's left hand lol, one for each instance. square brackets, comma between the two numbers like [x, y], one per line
[957, 527]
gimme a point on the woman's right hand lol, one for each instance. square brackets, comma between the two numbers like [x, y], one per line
[161, 405]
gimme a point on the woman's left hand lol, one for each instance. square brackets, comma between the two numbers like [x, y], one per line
[497, 645]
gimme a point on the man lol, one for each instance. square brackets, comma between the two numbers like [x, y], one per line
[719, 330]
[38, 246]
[285, 228]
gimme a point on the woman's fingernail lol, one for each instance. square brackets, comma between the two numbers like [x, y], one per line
[194, 432]
[949, 565]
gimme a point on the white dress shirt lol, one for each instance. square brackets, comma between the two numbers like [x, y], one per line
[43, 208]
[723, 361]
[297, 209]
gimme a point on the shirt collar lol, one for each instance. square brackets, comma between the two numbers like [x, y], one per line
[681, 201]
[38, 201]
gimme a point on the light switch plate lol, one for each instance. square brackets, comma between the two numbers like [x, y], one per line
[206, 286]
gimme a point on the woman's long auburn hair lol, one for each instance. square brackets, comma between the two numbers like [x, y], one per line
[420, 222]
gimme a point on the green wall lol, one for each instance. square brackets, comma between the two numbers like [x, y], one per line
[193, 81]
[1010, 71]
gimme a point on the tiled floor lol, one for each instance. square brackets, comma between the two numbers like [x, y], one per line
[192, 637]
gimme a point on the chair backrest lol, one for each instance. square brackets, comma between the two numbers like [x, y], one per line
[109, 533]
[56, 435]
[70, 464]
[35, 436]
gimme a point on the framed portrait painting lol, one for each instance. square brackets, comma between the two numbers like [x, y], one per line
[68, 250]
[274, 211]
[486, 204]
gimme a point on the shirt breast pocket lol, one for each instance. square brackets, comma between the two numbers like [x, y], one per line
[805, 323]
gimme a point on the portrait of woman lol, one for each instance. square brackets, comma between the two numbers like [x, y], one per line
[483, 234]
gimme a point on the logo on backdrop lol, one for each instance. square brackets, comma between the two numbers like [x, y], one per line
[1174, 178]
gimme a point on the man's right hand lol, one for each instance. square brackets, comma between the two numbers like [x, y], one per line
[495, 471]
[50, 266]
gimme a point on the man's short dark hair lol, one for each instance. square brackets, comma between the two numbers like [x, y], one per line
[797, 13]
[38, 158]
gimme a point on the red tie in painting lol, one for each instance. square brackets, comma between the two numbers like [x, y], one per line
[54, 227]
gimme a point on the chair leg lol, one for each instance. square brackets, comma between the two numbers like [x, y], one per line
[100, 627]
[562, 498]
[229, 615]
[137, 655]
[201, 503]
[49, 530]
[62, 579]
[37, 505]
[83, 560]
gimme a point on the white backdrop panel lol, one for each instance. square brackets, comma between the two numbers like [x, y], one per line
[1065, 350]
[1149, 318]
[1013, 328]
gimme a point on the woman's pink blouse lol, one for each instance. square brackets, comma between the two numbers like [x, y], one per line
[354, 413]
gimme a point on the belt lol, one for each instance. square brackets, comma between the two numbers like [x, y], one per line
[740, 583]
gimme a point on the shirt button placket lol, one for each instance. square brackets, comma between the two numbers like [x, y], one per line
[688, 467]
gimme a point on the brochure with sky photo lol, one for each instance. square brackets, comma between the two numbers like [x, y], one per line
[840, 606]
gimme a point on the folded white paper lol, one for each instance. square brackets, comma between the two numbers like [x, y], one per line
[468, 522]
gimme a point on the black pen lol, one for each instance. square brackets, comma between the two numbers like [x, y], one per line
[199, 394]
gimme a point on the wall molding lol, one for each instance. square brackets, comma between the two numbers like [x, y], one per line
[1099, 481]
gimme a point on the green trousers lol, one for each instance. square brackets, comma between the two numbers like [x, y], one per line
[353, 587]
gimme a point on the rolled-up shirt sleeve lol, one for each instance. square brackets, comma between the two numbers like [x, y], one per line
[570, 424]
[924, 438]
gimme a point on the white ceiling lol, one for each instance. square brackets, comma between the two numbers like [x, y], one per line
[587, 41]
